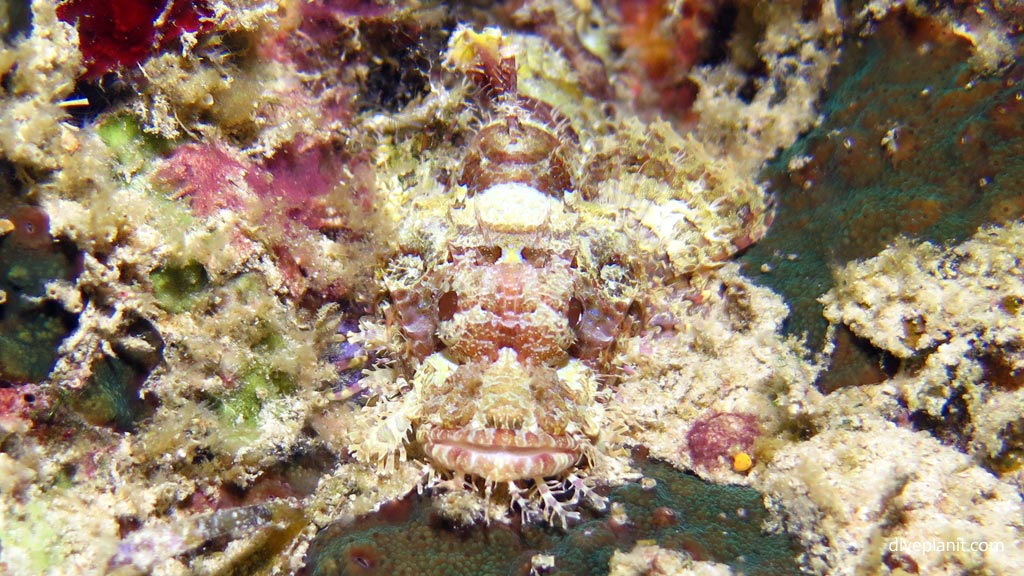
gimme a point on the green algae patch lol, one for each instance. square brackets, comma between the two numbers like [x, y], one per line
[243, 404]
[133, 148]
[678, 512]
[256, 398]
[31, 541]
[178, 288]
[29, 342]
[26, 272]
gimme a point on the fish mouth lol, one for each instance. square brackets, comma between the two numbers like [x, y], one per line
[501, 455]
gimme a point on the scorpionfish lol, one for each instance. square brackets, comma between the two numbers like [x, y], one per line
[506, 298]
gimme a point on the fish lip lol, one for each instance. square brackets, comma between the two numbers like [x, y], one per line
[486, 438]
[501, 455]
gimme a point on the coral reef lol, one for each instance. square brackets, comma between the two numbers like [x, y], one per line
[241, 239]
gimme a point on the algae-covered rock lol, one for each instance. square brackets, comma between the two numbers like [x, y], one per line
[871, 497]
[723, 383]
[651, 560]
[953, 313]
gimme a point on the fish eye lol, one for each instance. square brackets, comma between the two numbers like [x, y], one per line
[447, 306]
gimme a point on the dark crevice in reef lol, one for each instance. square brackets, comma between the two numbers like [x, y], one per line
[856, 362]
[952, 426]
[400, 68]
[15, 19]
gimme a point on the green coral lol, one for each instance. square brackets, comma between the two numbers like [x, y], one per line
[242, 405]
[680, 512]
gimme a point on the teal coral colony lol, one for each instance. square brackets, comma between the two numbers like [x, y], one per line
[540, 287]
[720, 524]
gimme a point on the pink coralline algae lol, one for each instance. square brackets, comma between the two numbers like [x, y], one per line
[116, 33]
[714, 439]
[303, 179]
[302, 190]
[209, 176]
[20, 405]
[296, 183]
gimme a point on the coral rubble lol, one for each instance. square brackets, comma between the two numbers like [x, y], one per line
[860, 496]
